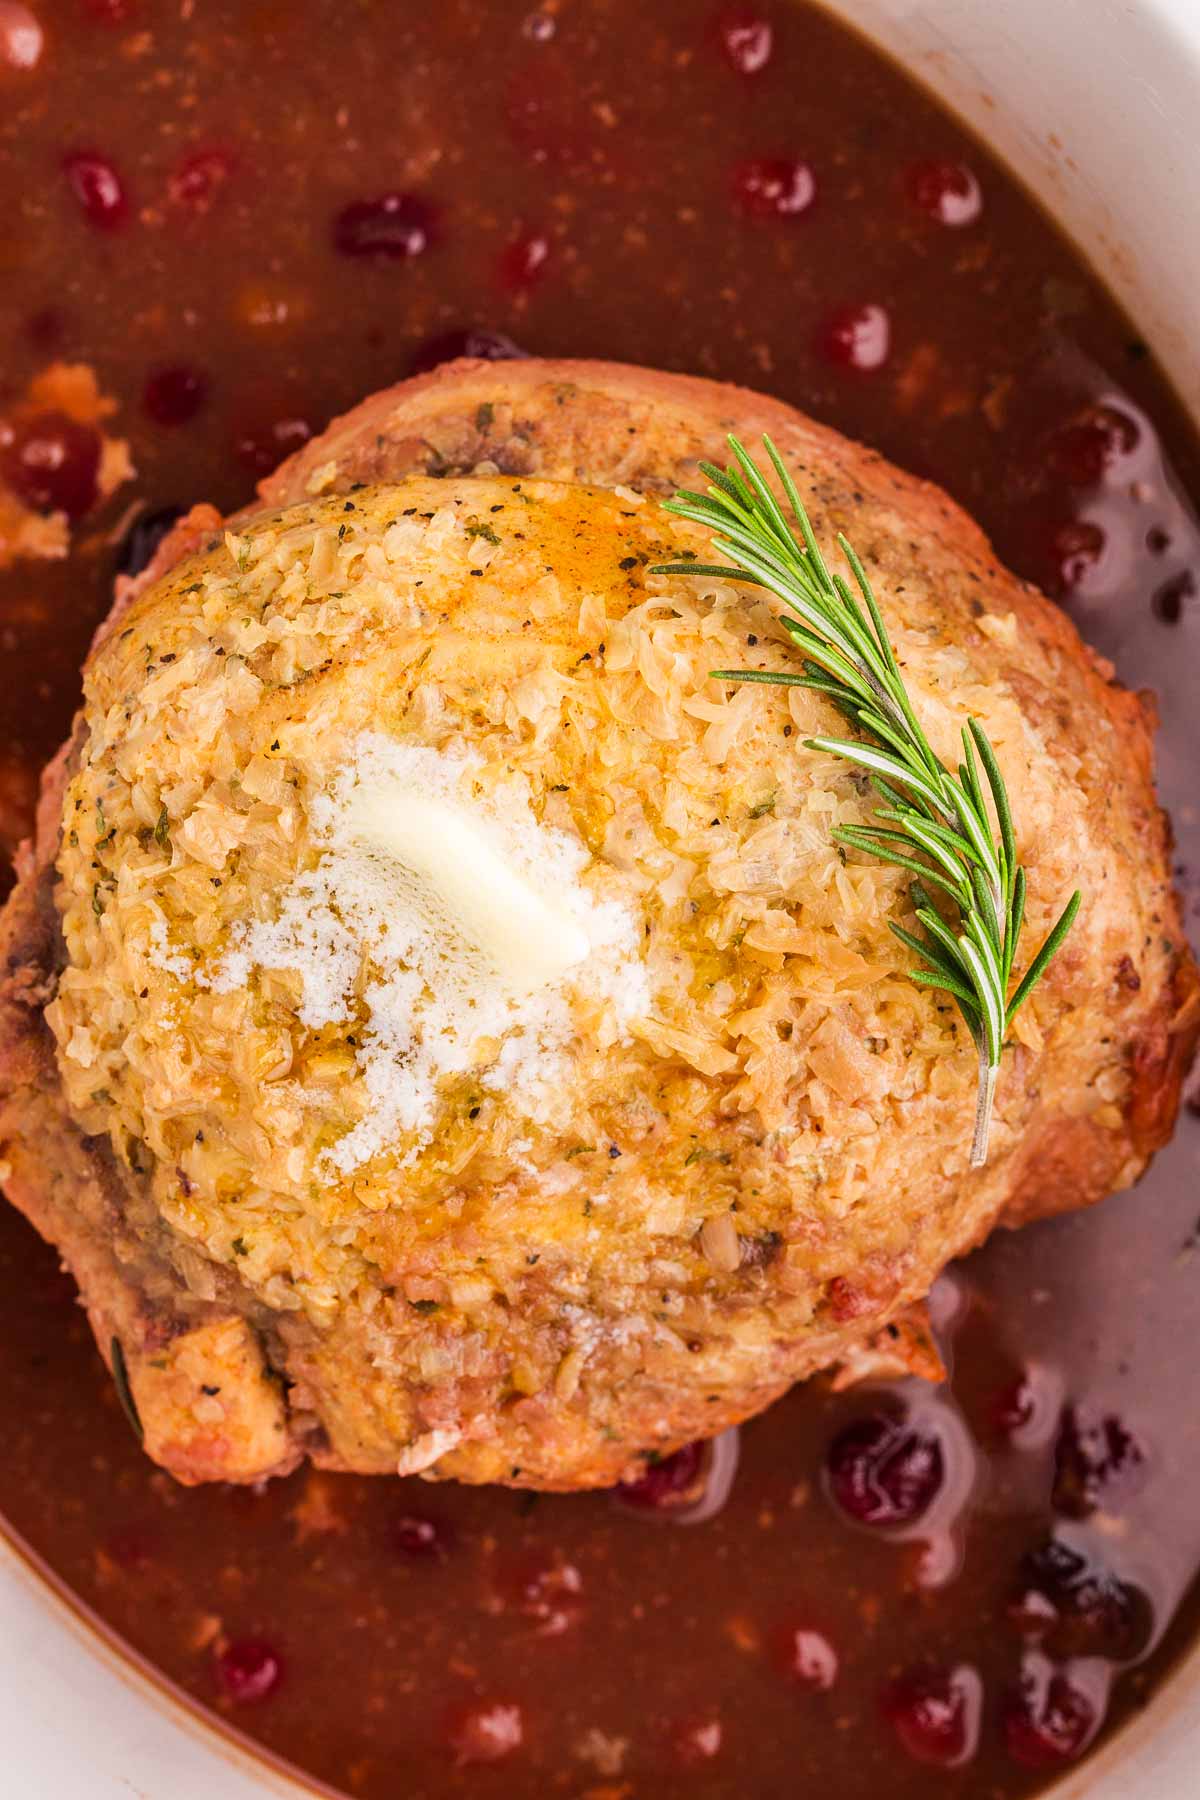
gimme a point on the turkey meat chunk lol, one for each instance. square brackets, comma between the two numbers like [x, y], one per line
[330, 1184]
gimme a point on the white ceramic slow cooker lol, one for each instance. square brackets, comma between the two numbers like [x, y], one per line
[1096, 104]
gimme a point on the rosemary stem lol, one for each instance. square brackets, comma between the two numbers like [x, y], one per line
[988, 1071]
[938, 824]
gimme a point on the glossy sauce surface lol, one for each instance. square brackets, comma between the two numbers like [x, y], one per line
[244, 217]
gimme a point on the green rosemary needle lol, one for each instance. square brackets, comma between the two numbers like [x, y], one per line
[933, 822]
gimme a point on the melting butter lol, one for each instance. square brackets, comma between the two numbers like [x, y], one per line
[528, 941]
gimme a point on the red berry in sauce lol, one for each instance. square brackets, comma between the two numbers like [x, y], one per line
[773, 187]
[261, 448]
[947, 191]
[668, 1483]
[421, 1538]
[21, 37]
[884, 1471]
[1096, 1459]
[51, 463]
[807, 1657]
[109, 12]
[1173, 596]
[696, 1741]
[1014, 1408]
[488, 346]
[523, 263]
[393, 228]
[857, 337]
[1074, 1606]
[935, 1714]
[1093, 444]
[174, 395]
[248, 1670]
[1076, 553]
[1170, 600]
[485, 1731]
[1024, 1413]
[1047, 1722]
[746, 38]
[97, 188]
[198, 178]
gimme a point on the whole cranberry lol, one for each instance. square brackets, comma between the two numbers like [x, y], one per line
[746, 38]
[198, 178]
[1047, 1722]
[773, 187]
[1023, 1413]
[485, 1731]
[487, 346]
[174, 395]
[421, 1538]
[98, 188]
[1074, 1606]
[1173, 596]
[261, 448]
[1014, 1408]
[524, 262]
[109, 12]
[1096, 1459]
[935, 1714]
[857, 337]
[1076, 553]
[392, 228]
[807, 1657]
[885, 1471]
[668, 1483]
[51, 463]
[143, 538]
[947, 191]
[248, 1670]
[1093, 444]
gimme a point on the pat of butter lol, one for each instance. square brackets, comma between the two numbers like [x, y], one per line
[528, 941]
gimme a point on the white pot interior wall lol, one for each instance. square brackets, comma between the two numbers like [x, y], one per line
[1095, 104]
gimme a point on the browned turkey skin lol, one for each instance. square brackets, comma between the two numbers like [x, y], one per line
[791, 1175]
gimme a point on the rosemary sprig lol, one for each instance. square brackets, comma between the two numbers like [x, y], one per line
[933, 822]
[120, 1375]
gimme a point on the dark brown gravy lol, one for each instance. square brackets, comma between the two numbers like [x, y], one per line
[616, 180]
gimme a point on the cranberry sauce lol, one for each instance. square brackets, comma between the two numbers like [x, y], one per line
[241, 218]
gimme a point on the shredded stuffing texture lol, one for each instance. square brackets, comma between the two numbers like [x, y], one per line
[533, 1235]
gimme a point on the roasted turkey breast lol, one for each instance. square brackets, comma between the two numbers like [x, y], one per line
[606, 1109]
